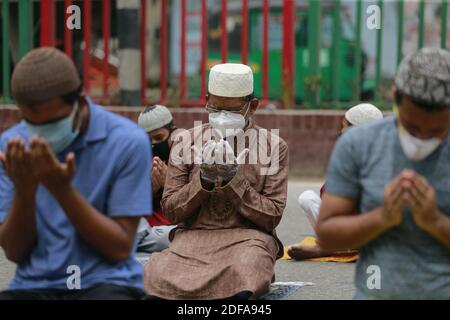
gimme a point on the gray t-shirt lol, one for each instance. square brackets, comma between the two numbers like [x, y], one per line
[412, 263]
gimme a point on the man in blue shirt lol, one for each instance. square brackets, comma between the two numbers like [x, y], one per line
[74, 182]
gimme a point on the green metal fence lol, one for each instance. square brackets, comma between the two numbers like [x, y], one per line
[314, 17]
[25, 40]
[313, 76]
[336, 60]
[25, 26]
[358, 52]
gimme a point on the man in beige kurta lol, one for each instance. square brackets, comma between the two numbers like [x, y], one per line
[225, 245]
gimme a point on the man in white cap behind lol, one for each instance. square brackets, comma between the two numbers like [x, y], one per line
[361, 114]
[310, 202]
[225, 245]
[153, 231]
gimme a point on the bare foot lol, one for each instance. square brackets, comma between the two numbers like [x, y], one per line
[301, 252]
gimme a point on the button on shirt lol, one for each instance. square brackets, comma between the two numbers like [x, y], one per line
[113, 174]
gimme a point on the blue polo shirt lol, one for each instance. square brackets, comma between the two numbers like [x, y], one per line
[113, 173]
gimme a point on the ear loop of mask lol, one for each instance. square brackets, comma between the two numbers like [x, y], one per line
[80, 117]
[248, 109]
[402, 129]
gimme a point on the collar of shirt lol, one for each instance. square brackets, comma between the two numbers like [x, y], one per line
[96, 130]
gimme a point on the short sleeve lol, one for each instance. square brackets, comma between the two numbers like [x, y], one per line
[130, 192]
[343, 170]
[6, 189]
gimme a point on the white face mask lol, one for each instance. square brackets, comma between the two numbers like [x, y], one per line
[417, 149]
[227, 123]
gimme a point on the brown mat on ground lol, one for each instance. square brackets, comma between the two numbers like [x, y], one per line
[350, 256]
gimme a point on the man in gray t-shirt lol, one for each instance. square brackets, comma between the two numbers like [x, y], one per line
[396, 172]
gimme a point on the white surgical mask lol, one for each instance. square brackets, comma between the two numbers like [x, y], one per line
[414, 148]
[227, 123]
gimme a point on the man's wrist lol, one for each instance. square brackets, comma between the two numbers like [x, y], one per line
[207, 185]
[155, 189]
[206, 182]
[26, 190]
[60, 190]
[434, 226]
[228, 173]
[381, 223]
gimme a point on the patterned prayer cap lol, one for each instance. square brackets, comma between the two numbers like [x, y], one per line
[424, 76]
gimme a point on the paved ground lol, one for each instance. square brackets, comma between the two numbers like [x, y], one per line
[332, 281]
[6, 271]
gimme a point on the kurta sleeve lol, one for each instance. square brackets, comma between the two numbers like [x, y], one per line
[263, 208]
[182, 196]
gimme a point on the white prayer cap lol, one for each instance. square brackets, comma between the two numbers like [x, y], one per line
[231, 80]
[154, 117]
[363, 113]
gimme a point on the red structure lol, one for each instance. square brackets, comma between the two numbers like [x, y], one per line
[48, 38]
[265, 51]
[224, 31]
[203, 58]
[288, 51]
[48, 23]
[164, 52]
[106, 27]
[87, 20]
[67, 33]
[244, 32]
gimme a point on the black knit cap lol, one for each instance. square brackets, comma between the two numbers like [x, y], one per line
[43, 74]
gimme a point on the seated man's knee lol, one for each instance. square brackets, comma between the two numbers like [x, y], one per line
[308, 199]
[309, 203]
[241, 296]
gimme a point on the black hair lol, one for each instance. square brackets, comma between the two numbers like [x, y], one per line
[248, 98]
[427, 106]
[71, 97]
[148, 109]
[169, 126]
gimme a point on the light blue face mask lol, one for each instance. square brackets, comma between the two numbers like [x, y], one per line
[60, 134]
